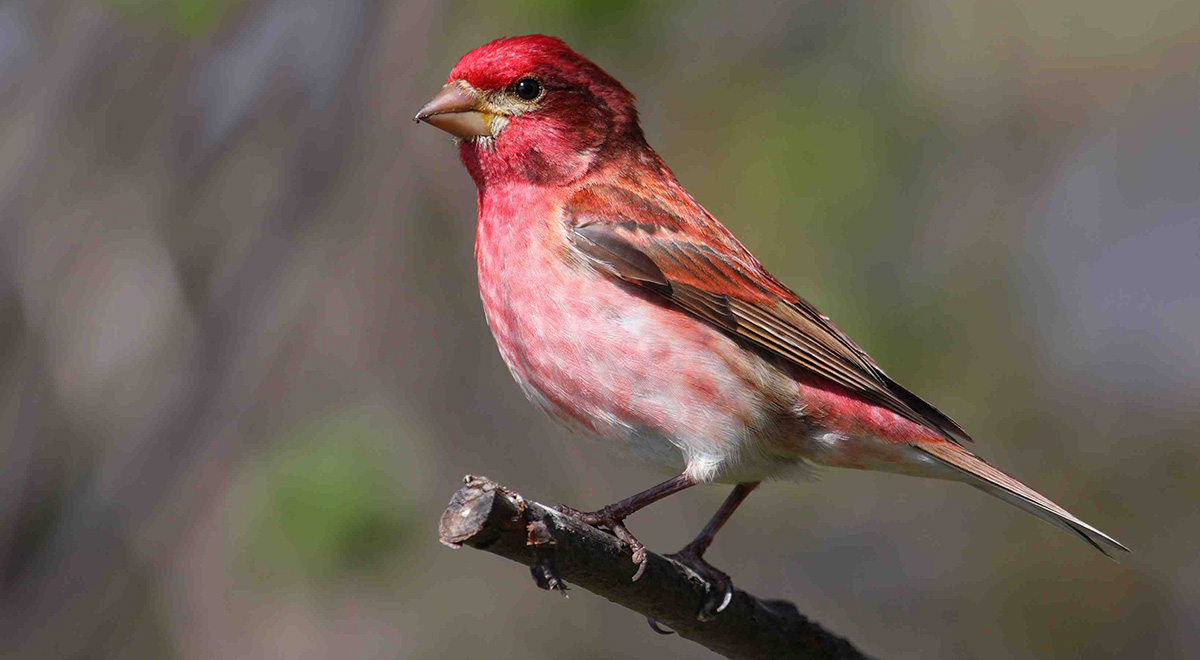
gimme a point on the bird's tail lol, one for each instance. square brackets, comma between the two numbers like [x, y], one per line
[980, 474]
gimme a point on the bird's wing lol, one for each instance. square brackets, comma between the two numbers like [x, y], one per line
[706, 272]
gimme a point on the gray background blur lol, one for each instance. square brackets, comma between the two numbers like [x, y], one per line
[243, 363]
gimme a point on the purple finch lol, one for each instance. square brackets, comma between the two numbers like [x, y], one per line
[628, 312]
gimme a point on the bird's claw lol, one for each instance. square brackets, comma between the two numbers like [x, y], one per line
[603, 519]
[657, 628]
[707, 610]
[718, 588]
[545, 567]
[638, 551]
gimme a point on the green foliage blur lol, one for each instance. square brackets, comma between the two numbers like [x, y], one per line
[327, 498]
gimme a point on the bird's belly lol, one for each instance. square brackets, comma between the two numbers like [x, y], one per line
[622, 365]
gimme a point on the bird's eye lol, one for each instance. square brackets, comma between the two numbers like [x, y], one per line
[528, 89]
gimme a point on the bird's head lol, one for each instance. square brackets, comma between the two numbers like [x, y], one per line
[529, 109]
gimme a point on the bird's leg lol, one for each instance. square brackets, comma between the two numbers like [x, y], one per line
[719, 588]
[613, 516]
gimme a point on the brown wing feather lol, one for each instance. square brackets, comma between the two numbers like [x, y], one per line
[709, 274]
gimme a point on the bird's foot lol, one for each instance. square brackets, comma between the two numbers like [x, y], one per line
[718, 588]
[545, 565]
[605, 519]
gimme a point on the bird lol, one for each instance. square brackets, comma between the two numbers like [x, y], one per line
[630, 314]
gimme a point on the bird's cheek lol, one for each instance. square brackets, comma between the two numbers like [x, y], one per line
[495, 123]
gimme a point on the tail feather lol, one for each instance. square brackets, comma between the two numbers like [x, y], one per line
[987, 478]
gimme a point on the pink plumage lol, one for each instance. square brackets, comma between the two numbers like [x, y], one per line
[629, 313]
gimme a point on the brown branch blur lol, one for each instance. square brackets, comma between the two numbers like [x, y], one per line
[487, 516]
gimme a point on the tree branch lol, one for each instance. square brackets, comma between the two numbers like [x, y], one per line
[487, 516]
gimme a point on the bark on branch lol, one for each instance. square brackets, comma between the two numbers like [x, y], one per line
[487, 516]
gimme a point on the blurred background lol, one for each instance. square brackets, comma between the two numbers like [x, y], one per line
[243, 364]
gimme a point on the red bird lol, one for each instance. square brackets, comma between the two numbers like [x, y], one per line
[628, 312]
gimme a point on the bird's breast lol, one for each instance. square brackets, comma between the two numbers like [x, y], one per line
[616, 362]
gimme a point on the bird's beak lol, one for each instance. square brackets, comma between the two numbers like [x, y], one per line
[458, 110]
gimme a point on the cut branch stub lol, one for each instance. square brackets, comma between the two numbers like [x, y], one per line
[487, 516]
